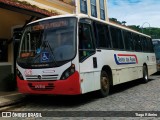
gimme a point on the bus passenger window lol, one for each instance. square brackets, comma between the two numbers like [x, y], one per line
[117, 40]
[86, 47]
[144, 44]
[129, 44]
[103, 36]
[137, 43]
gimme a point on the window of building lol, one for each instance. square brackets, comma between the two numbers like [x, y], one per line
[117, 40]
[102, 10]
[103, 36]
[93, 8]
[83, 6]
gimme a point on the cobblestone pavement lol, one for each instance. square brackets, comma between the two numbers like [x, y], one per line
[132, 96]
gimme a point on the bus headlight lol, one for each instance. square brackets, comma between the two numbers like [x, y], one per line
[19, 75]
[68, 72]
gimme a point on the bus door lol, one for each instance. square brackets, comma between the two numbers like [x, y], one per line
[88, 63]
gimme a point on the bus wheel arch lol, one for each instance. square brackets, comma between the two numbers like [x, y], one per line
[145, 73]
[105, 81]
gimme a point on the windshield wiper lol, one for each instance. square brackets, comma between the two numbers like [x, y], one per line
[47, 45]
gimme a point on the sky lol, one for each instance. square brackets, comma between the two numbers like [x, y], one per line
[145, 13]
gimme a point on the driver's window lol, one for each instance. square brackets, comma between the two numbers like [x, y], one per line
[86, 46]
[26, 47]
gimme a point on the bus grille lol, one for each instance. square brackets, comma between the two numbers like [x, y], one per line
[43, 77]
[50, 86]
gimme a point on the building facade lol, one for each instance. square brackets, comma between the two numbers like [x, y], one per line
[94, 8]
[16, 14]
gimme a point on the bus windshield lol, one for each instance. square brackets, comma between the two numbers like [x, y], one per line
[48, 43]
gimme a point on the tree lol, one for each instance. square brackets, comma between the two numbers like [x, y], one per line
[124, 22]
[152, 31]
[115, 20]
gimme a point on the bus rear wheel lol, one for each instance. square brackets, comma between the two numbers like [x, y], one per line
[105, 85]
[145, 74]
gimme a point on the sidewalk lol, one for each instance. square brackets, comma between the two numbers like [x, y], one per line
[9, 98]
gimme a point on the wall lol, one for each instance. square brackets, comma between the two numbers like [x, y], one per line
[10, 19]
[5, 70]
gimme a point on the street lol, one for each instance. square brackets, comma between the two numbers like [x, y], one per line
[132, 96]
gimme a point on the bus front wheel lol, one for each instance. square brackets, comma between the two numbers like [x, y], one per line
[145, 74]
[105, 85]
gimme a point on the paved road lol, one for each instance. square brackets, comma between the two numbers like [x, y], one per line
[132, 96]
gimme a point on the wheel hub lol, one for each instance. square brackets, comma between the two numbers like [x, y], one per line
[104, 83]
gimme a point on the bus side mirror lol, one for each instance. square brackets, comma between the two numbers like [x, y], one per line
[17, 34]
[17, 37]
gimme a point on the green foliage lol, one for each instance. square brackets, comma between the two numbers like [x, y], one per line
[115, 20]
[134, 27]
[152, 31]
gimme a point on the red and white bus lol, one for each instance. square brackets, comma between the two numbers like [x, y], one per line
[77, 54]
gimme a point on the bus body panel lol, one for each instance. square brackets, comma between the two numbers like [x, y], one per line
[120, 72]
[70, 86]
[32, 74]
[90, 75]
[127, 72]
[33, 85]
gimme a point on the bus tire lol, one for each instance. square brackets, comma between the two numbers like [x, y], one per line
[145, 74]
[105, 84]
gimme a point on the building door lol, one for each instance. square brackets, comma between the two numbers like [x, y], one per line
[3, 50]
[16, 42]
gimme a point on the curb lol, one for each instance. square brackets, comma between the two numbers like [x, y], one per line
[10, 99]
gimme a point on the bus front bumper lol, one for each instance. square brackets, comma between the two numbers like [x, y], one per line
[69, 86]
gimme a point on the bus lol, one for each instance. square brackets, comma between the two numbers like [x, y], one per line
[77, 54]
[156, 45]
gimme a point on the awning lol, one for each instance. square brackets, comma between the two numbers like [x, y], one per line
[25, 8]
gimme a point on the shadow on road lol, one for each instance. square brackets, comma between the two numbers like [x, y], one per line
[58, 100]
[128, 85]
[157, 73]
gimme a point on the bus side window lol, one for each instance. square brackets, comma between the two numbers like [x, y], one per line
[145, 45]
[131, 41]
[150, 45]
[86, 46]
[103, 36]
[128, 40]
[137, 42]
[117, 40]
